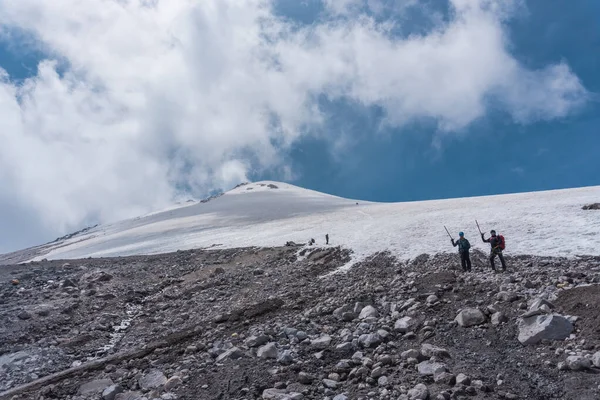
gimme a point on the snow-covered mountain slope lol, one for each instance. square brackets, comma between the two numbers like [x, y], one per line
[272, 213]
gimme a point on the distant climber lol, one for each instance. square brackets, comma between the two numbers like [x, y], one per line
[327, 238]
[463, 249]
[497, 244]
[311, 242]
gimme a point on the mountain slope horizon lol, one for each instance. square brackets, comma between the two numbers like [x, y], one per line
[269, 214]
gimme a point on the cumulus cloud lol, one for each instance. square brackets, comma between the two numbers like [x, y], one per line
[139, 98]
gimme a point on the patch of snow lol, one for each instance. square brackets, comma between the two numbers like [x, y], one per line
[550, 223]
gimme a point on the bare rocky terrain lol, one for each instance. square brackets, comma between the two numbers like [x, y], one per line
[276, 323]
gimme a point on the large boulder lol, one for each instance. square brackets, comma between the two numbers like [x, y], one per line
[534, 329]
[470, 317]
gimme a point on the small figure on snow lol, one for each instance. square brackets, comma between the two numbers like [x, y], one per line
[497, 244]
[327, 238]
[463, 249]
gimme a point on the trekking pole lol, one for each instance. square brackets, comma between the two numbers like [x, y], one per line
[478, 228]
[448, 232]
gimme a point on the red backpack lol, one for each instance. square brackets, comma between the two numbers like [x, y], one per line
[502, 244]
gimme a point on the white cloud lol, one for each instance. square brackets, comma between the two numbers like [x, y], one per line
[150, 95]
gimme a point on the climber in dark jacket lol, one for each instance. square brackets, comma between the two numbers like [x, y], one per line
[463, 249]
[495, 242]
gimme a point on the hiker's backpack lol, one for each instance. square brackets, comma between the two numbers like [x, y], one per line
[502, 244]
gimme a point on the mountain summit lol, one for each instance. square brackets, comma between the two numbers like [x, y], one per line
[273, 213]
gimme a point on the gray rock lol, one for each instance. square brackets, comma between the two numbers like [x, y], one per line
[419, 392]
[462, 379]
[152, 380]
[269, 350]
[562, 366]
[596, 359]
[343, 366]
[129, 396]
[429, 350]
[444, 377]
[429, 368]
[383, 381]
[340, 397]
[411, 353]
[330, 384]
[347, 309]
[280, 394]
[94, 387]
[290, 332]
[368, 312]
[285, 357]
[405, 324]
[532, 313]
[24, 315]
[233, 353]
[344, 346]
[507, 296]
[537, 304]
[470, 317]
[432, 299]
[111, 392]
[533, 330]
[383, 334]
[499, 318]
[377, 372]
[321, 343]
[256, 341]
[578, 363]
[369, 340]
[68, 283]
[305, 378]
[173, 382]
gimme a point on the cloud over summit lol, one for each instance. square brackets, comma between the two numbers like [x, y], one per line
[137, 99]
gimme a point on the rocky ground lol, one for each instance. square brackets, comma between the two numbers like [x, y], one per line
[277, 324]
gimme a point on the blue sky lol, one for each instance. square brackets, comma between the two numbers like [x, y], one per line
[494, 155]
[114, 109]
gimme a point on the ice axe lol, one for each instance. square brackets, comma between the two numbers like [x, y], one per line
[478, 228]
[448, 232]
